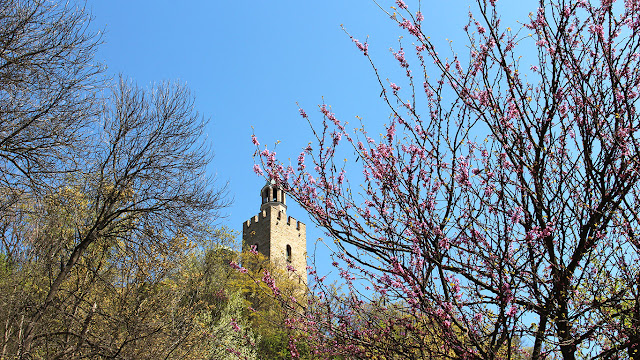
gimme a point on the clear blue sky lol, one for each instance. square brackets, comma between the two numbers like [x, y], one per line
[249, 62]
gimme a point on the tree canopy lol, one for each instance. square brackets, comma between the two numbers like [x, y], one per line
[498, 209]
[104, 191]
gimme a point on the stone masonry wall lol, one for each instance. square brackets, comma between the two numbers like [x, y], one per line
[286, 230]
[272, 230]
[255, 232]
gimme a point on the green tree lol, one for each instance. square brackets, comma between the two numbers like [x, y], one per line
[101, 196]
[117, 301]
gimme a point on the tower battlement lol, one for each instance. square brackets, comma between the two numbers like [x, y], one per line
[266, 214]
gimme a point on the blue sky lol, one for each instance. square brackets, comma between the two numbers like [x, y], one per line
[249, 62]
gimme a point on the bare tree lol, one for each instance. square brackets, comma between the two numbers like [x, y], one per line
[145, 192]
[100, 195]
[48, 87]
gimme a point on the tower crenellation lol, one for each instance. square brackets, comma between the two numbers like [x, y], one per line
[280, 238]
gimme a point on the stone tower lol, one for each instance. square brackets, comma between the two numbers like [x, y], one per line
[281, 238]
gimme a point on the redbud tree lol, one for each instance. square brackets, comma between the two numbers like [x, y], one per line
[497, 214]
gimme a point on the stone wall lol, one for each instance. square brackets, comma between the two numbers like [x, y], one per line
[272, 230]
[255, 232]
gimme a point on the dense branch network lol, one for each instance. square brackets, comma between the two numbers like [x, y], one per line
[499, 209]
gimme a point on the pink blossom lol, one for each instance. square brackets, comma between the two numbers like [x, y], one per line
[301, 165]
[542, 42]
[336, 137]
[400, 57]
[363, 47]
[597, 29]
[234, 325]
[515, 214]
[391, 132]
[257, 169]
[477, 317]
[463, 173]
[271, 283]
[234, 265]
[413, 30]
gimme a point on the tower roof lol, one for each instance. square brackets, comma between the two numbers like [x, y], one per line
[272, 195]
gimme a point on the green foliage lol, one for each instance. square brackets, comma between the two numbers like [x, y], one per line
[275, 346]
[104, 197]
[5, 267]
[230, 332]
